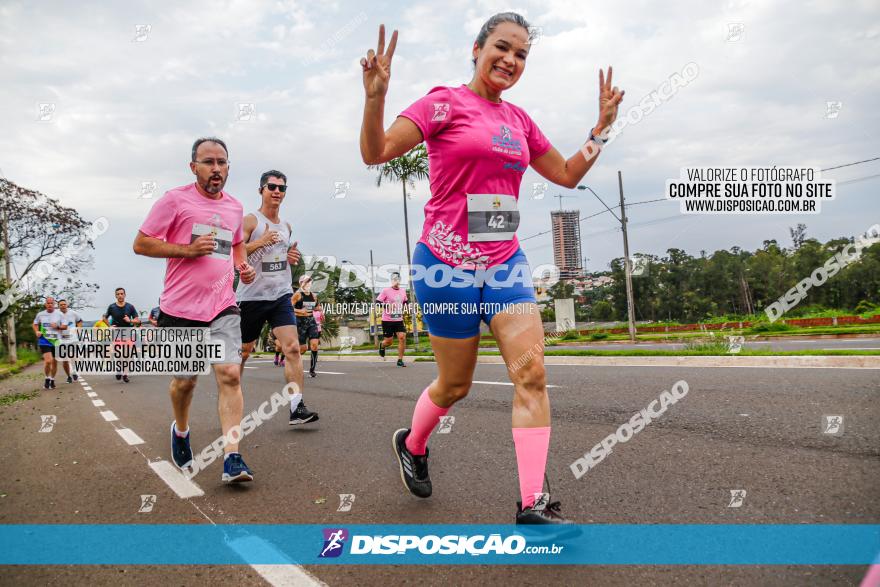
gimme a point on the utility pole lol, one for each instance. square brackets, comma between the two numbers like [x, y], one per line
[412, 303]
[627, 265]
[10, 318]
[373, 326]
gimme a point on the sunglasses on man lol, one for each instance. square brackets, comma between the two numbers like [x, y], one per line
[274, 186]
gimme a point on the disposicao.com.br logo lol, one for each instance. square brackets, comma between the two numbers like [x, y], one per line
[431, 544]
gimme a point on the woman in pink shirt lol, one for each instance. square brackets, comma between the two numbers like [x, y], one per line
[468, 267]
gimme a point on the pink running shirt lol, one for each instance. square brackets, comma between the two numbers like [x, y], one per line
[475, 146]
[395, 297]
[198, 288]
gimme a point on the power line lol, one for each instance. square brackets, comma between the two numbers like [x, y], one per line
[851, 164]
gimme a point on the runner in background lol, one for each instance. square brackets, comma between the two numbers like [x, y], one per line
[71, 321]
[197, 228]
[304, 305]
[154, 316]
[121, 314]
[393, 298]
[478, 147]
[46, 330]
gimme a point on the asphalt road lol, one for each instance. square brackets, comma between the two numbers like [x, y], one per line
[738, 428]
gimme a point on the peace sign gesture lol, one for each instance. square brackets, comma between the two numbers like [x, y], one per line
[610, 98]
[377, 66]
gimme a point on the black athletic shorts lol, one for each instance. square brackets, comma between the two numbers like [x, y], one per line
[392, 327]
[307, 328]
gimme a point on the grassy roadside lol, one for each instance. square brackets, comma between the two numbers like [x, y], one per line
[25, 359]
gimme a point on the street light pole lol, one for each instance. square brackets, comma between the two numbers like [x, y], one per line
[627, 264]
[373, 326]
[412, 302]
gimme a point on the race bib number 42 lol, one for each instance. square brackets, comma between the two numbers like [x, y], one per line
[492, 217]
[222, 239]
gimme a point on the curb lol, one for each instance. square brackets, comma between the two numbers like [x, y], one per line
[776, 362]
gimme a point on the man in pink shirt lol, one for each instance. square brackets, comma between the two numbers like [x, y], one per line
[393, 298]
[198, 229]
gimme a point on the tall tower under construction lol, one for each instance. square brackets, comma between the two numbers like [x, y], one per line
[567, 243]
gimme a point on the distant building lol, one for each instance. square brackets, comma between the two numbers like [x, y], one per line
[567, 243]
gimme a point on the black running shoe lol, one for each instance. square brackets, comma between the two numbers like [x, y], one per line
[75, 377]
[551, 514]
[118, 376]
[69, 379]
[235, 470]
[312, 373]
[181, 453]
[302, 415]
[382, 351]
[46, 384]
[413, 468]
[125, 378]
[51, 384]
[400, 363]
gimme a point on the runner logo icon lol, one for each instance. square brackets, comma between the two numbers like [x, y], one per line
[334, 540]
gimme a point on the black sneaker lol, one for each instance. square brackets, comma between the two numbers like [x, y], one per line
[382, 351]
[400, 363]
[181, 453]
[75, 377]
[118, 376]
[46, 383]
[235, 470]
[312, 373]
[125, 378]
[69, 379]
[51, 384]
[551, 514]
[413, 468]
[302, 415]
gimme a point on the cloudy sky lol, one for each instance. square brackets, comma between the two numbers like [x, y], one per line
[128, 101]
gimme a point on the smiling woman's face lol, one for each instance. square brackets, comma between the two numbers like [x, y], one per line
[502, 58]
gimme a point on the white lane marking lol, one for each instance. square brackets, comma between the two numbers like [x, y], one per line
[718, 366]
[503, 383]
[129, 436]
[329, 372]
[857, 348]
[98, 403]
[173, 478]
[250, 547]
[287, 576]
[83, 382]
[87, 388]
[92, 394]
[246, 367]
[109, 416]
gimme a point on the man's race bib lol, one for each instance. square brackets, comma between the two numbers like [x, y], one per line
[492, 217]
[222, 239]
[309, 305]
[274, 266]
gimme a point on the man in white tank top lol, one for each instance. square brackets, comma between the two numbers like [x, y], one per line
[267, 298]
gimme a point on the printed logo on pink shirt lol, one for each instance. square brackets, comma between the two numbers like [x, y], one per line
[505, 143]
[447, 243]
[441, 110]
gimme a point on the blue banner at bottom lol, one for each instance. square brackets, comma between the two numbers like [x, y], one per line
[370, 544]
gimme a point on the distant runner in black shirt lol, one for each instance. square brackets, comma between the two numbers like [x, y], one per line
[121, 315]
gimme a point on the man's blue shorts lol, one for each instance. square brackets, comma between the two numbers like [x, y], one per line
[454, 301]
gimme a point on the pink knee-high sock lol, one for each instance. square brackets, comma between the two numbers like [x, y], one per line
[531, 445]
[426, 416]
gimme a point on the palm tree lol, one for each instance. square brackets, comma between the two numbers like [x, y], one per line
[406, 169]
